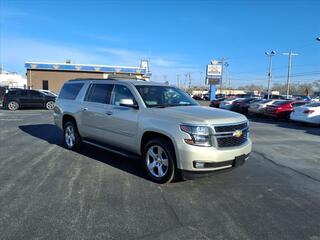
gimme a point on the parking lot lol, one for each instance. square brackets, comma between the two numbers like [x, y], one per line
[48, 192]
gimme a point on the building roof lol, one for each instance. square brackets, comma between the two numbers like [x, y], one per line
[86, 68]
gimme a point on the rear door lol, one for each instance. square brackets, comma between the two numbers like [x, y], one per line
[95, 115]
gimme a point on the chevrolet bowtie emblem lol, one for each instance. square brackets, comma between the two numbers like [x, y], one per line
[237, 133]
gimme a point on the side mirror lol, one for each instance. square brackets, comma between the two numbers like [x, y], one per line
[127, 102]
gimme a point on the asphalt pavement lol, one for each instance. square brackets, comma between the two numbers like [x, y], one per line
[48, 192]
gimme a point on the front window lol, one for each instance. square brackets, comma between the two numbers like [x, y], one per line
[164, 96]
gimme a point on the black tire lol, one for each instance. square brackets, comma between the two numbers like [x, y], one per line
[50, 105]
[76, 142]
[170, 170]
[13, 105]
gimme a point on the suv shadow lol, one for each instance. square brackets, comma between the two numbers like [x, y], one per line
[53, 135]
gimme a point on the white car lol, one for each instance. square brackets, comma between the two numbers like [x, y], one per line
[227, 103]
[48, 92]
[258, 107]
[309, 113]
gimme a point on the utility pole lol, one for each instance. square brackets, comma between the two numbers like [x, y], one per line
[178, 81]
[222, 64]
[189, 80]
[290, 54]
[270, 54]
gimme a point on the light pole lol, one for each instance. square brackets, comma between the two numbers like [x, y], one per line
[290, 54]
[270, 55]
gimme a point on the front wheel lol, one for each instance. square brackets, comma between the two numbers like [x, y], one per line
[50, 105]
[159, 160]
[72, 139]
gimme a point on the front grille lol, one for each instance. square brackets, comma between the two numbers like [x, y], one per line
[230, 128]
[232, 141]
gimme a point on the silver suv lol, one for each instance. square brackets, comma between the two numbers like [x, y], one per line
[160, 124]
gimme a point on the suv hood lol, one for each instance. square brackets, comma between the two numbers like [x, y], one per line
[200, 114]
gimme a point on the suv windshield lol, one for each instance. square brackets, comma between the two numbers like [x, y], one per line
[164, 96]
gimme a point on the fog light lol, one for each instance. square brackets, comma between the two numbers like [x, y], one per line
[198, 164]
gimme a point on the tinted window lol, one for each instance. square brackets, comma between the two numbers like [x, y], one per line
[298, 104]
[35, 94]
[279, 103]
[23, 93]
[70, 90]
[121, 92]
[100, 93]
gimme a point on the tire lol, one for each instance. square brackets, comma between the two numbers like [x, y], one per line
[71, 136]
[50, 105]
[160, 167]
[13, 106]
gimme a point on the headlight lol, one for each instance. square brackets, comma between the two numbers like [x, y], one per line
[199, 135]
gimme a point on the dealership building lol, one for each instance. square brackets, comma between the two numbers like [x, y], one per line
[51, 76]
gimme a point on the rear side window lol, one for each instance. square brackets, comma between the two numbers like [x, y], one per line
[100, 93]
[70, 90]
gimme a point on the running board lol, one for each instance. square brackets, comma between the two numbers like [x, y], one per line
[122, 153]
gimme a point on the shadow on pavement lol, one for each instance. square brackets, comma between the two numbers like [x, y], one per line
[53, 135]
[308, 128]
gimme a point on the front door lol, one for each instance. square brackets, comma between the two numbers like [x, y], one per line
[123, 120]
[36, 98]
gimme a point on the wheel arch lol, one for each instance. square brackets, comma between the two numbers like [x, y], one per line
[149, 135]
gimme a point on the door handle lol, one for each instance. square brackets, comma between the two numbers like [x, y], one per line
[84, 109]
[109, 113]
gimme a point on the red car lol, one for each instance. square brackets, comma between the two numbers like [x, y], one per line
[282, 109]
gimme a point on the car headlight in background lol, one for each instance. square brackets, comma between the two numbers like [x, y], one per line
[199, 135]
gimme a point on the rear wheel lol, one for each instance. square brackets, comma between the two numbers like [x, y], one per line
[13, 105]
[72, 139]
[50, 105]
[159, 160]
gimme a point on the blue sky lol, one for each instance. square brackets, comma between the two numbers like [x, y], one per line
[178, 37]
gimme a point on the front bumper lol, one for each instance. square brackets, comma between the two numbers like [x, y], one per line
[213, 159]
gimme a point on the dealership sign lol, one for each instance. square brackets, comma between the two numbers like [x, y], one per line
[214, 73]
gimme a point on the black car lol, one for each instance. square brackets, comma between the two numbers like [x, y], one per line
[19, 98]
[242, 105]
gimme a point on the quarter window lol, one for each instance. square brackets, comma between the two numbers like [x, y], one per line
[70, 90]
[100, 93]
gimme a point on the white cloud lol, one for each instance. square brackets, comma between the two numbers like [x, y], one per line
[15, 52]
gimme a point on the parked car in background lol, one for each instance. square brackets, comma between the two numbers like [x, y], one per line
[257, 108]
[227, 103]
[242, 105]
[48, 92]
[309, 113]
[282, 109]
[275, 97]
[20, 98]
[216, 102]
[302, 98]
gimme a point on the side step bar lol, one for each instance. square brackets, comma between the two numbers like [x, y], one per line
[119, 152]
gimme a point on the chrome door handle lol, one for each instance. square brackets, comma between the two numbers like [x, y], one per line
[109, 113]
[84, 109]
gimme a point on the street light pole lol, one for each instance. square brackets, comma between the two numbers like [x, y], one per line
[270, 54]
[290, 54]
